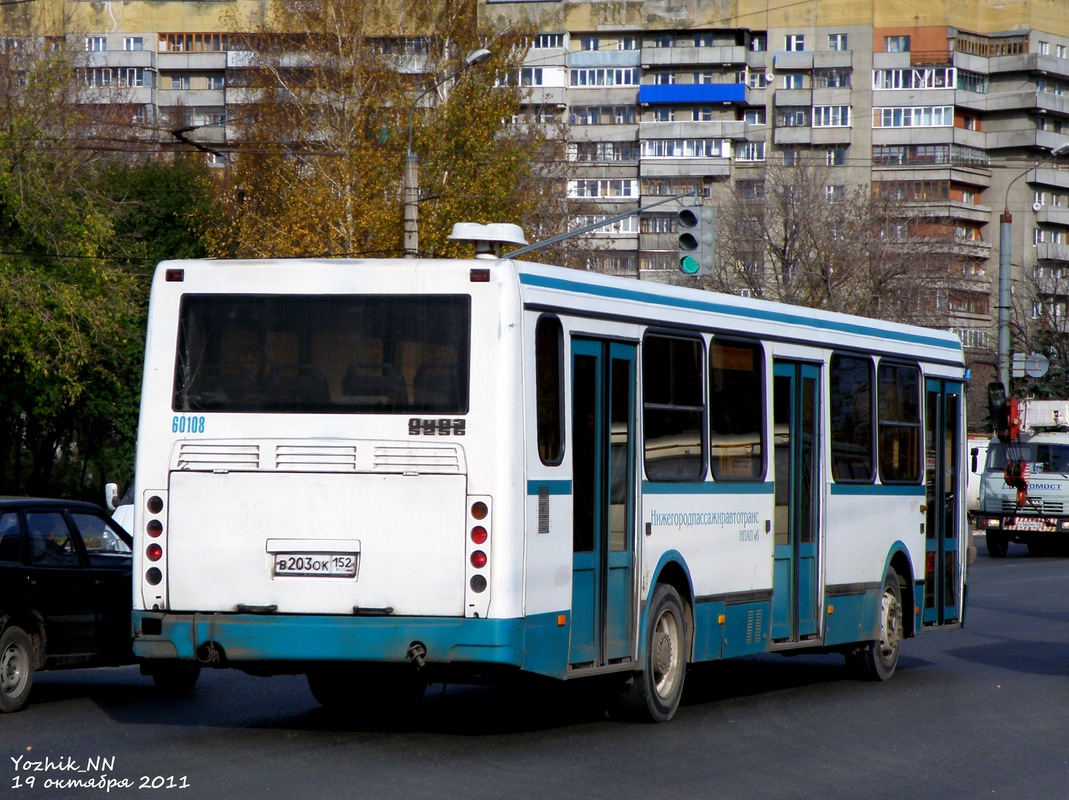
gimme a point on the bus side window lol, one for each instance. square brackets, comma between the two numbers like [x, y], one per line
[549, 399]
[736, 410]
[853, 422]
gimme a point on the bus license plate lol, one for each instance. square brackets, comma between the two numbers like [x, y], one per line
[316, 565]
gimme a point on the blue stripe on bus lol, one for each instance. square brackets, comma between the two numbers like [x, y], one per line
[765, 315]
[537, 643]
[707, 487]
[535, 486]
[894, 490]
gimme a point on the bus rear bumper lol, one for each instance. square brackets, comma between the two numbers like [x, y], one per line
[238, 639]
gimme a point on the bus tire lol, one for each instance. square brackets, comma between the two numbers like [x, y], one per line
[654, 692]
[997, 544]
[16, 669]
[876, 660]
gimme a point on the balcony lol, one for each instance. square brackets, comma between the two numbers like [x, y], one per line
[215, 61]
[794, 60]
[693, 93]
[1048, 251]
[693, 56]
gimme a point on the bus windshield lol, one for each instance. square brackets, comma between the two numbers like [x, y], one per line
[323, 354]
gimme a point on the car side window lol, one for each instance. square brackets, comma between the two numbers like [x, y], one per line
[10, 541]
[102, 542]
[50, 540]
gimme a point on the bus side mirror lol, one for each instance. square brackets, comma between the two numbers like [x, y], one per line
[975, 453]
[111, 495]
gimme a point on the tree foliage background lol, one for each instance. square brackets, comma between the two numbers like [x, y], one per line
[83, 221]
[319, 161]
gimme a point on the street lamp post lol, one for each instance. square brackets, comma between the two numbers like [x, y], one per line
[1005, 278]
[411, 193]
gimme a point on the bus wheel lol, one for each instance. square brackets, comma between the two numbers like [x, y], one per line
[997, 544]
[654, 693]
[877, 660]
[16, 669]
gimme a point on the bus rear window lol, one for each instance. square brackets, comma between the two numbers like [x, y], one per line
[323, 354]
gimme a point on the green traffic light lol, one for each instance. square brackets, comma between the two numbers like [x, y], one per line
[689, 265]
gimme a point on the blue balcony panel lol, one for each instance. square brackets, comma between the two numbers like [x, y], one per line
[692, 93]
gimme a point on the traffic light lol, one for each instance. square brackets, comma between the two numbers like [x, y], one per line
[696, 239]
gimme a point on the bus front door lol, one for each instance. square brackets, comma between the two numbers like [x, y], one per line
[603, 380]
[944, 521]
[796, 568]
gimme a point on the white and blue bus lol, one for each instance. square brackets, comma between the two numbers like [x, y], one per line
[384, 473]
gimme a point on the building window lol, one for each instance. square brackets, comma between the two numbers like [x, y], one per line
[664, 78]
[759, 43]
[217, 81]
[684, 148]
[133, 43]
[792, 118]
[831, 78]
[757, 80]
[531, 76]
[603, 115]
[1044, 48]
[602, 76]
[837, 41]
[627, 43]
[662, 40]
[913, 117]
[589, 43]
[192, 42]
[545, 41]
[835, 194]
[704, 39]
[792, 80]
[754, 116]
[896, 44]
[794, 42]
[96, 44]
[1059, 50]
[180, 82]
[836, 157]
[831, 116]
[603, 188]
[664, 114]
[750, 151]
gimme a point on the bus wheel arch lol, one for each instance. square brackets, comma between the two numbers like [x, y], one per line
[653, 693]
[900, 564]
[877, 659]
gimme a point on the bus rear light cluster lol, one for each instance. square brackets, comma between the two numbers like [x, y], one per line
[479, 545]
[154, 530]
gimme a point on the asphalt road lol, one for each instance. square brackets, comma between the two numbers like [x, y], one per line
[976, 713]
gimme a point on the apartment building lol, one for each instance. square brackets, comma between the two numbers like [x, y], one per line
[952, 108]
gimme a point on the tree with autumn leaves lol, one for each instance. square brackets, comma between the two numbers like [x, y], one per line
[323, 128]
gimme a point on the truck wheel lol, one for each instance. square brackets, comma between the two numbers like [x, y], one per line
[997, 544]
[16, 669]
[654, 692]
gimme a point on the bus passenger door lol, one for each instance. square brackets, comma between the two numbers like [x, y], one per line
[603, 381]
[943, 521]
[796, 569]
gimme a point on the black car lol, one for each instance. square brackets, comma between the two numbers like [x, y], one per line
[65, 591]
